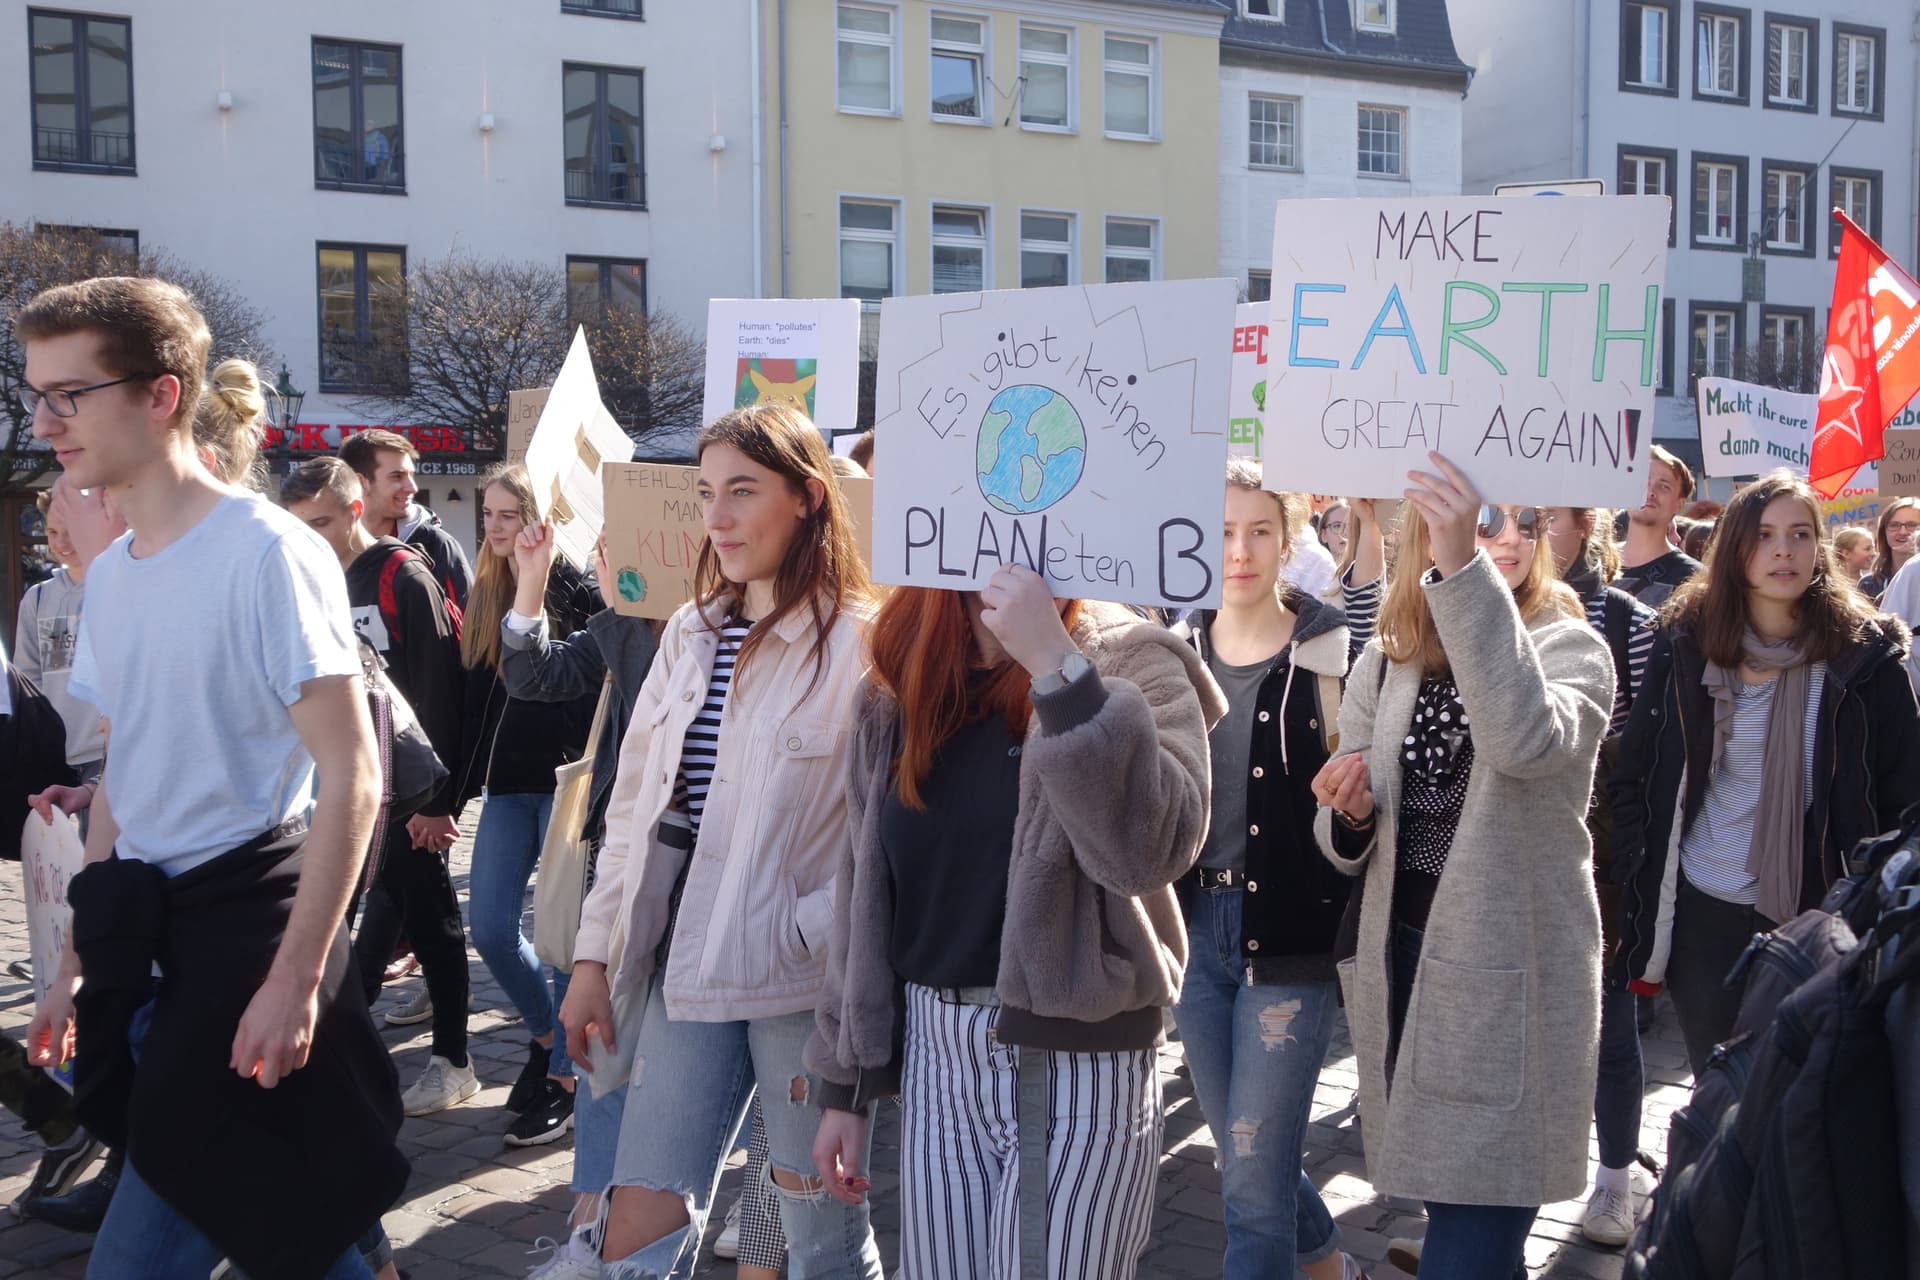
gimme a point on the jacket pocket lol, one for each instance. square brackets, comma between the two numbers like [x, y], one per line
[798, 759]
[1368, 1049]
[1467, 1035]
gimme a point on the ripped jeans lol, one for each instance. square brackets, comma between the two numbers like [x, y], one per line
[688, 1094]
[1254, 1052]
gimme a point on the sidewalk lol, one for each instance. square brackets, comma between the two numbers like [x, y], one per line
[475, 1206]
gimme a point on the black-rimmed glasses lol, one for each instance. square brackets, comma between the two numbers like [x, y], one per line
[63, 402]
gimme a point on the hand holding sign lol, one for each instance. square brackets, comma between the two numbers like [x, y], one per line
[1452, 509]
[1019, 609]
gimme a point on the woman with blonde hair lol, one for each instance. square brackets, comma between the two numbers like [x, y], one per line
[1474, 718]
[230, 423]
[1853, 552]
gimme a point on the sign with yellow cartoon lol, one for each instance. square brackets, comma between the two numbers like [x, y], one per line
[801, 352]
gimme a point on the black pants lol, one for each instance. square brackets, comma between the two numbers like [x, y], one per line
[1708, 936]
[31, 1094]
[414, 891]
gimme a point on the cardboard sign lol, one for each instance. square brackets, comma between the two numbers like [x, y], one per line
[1520, 338]
[858, 492]
[574, 438]
[1079, 431]
[1247, 404]
[50, 856]
[1900, 469]
[804, 352]
[523, 413]
[1749, 430]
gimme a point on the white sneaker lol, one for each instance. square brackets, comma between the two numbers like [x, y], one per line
[575, 1260]
[1403, 1252]
[727, 1243]
[418, 1009]
[1609, 1218]
[440, 1086]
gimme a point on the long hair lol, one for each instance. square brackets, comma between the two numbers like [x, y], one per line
[1407, 633]
[493, 582]
[230, 421]
[821, 571]
[923, 649]
[1713, 603]
[1598, 548]
[1883, 565]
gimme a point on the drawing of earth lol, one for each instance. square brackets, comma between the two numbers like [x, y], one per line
[631, 584]
[1032, 449]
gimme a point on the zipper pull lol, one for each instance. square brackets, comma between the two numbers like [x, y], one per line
[1760, 942]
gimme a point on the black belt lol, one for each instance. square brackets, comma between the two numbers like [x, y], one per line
[981, 996]
[1209, 878]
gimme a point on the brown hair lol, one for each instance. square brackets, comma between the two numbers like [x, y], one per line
[862, 451]
[147, 328]
[493, 582]
[1681, 471]
[1883, 565]
[1713, 603]
[822, 560]
[1407, 633]
[316, 476]
[1598, 548]
[361, 450]
[1245, 473]
[229, 422]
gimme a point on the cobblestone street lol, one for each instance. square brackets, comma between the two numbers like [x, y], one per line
[475, 1207]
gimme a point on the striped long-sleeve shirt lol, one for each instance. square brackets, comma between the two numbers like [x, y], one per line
[1640, 632]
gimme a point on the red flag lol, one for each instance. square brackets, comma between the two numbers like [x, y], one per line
[1872, 365]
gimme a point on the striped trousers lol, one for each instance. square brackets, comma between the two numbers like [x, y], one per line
[960, 1158]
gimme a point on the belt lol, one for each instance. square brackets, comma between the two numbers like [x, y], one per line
[1211, 879]
[984, 996]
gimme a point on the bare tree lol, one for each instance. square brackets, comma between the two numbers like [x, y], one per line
[33, 259]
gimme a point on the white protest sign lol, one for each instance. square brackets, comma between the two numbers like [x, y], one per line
[50, 855]
[1748, 430]
[1520, 338]
[575, 436]
[1247, 405]
[1080, 431]
[804, 352]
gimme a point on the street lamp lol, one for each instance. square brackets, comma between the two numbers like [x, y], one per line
[290, 399]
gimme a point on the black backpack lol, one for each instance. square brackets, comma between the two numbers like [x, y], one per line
[1786, 1161]
[33, 755]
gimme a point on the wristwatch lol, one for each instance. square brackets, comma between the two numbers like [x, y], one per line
[1072, 667]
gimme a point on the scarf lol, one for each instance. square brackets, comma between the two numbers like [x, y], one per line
[1774, 857]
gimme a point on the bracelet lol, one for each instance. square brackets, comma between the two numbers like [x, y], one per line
[1352, 823]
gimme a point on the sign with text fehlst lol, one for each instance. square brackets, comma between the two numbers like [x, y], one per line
[1749, 430]
[574, 437]
[523, 414]
[1520, 338]
[1247, 404]
[1080, 431]
[803, 352]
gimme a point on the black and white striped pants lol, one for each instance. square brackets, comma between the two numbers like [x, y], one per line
[959, 1152]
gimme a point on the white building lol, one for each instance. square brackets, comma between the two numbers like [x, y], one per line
[1322, 98]
[1755, 121]
[303, 151]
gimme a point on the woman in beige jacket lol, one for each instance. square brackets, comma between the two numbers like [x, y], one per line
[708, 922]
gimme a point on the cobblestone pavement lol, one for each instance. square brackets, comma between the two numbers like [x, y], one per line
[475, 1206]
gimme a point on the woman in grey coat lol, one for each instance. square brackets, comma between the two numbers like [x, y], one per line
[1474, 998]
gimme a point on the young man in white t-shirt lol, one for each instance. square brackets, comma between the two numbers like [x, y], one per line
[216, 643]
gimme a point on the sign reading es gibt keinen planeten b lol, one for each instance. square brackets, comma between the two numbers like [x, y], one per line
[1080, 431]
[1520, 338]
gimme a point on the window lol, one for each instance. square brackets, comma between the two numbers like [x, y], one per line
[598, 285]
[1272, 132]
[1046, 249]
[1789, 64]
[82, 73]
[1046, 77]
[1374, 15]
[1130, 244]
[1128, 72]
[605, 160]
[1270, 10]
[1715, 339]
[604, 8]
[959, 68]
[1719, 201]
[864, 35]
[1380, 152]
[107, 239]
[1648, 171]
[959, 249]
[1647, 51]
[363, 332]
[1783, 344]
[1719, 64]
[1856, 193]
[1664, 386]
[356, 116]
[1259, 286]
[869, 248]
[1857, 70]
[1784, 203]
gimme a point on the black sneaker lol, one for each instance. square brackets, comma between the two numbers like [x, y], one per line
[60, 1167]
[84, 1208]
[527, 1087]
[547, 1120]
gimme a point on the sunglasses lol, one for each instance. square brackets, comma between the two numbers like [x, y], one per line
[1493, 519]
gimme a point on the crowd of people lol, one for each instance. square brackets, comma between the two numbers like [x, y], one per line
[1490, 776]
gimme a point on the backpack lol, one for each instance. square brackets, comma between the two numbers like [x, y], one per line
[1786, 1160]
[410, 772]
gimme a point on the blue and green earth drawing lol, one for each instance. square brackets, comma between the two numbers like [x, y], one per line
[1032, 449]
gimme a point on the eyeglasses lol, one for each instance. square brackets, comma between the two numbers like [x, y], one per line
[63, 402]
[1493, 519]
[1903, 526]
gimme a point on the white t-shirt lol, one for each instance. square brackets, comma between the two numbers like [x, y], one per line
[194, 654]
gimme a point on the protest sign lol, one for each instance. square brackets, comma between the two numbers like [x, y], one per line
[1900, 469]
[803, 352]
[1520, 338]
[1749, 430]
[574, 437]
[1247, 405]
[1080, 431]
[523, 413]
[858, 492]
[1857, 503]
[50, 855]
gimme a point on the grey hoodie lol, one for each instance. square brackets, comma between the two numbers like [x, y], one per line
[43, 652]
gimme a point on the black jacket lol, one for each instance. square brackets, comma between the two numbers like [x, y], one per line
[33, 756]
[1866, 771]
[421, 530]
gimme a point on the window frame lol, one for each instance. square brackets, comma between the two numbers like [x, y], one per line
[1810, 27]
[362, 309]
[1128, 253]
[1247, 12]
[1070, 60]
[1876, 201]
[1385, 27]
[606, 268]
[1152, 74]
[1401, 175]
[598, 9]
[1667, 156]
[1291, 100]
[937, 239]
[892, 44]
[1736, 335]
[1047, 246]
[1265, 278]
[1809, 336]
[1742, 20]
[1664, 383]
[1740, 197]
[357, 115]
[82, 94]
[981, 54]
[894, 239]
[1877, 108]
[1670, 63]
[1809, 186]
[599, 134]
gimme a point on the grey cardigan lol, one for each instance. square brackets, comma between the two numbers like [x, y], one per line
[1492, 1090]
[1113, 807]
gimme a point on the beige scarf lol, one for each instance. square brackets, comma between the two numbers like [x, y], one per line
[1780, 818]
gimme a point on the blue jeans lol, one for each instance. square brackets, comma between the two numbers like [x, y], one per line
[1618, 1087]
[506, 850]
[1255, 1052]
[691, 1085]
[596, 1134]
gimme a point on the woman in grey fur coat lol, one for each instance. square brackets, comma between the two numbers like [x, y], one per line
[1474, 998]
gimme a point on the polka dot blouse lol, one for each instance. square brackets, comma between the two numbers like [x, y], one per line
[1436, 761]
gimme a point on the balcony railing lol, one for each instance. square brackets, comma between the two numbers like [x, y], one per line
[616, 185]
[374, 163]
[70, 146]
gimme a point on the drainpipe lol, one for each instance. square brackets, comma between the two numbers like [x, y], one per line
[1321, 10]
[784, 243]
[1913, 216]
[758, 108]
[1583, 90]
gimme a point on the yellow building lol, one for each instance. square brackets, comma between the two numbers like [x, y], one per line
[918, 147]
